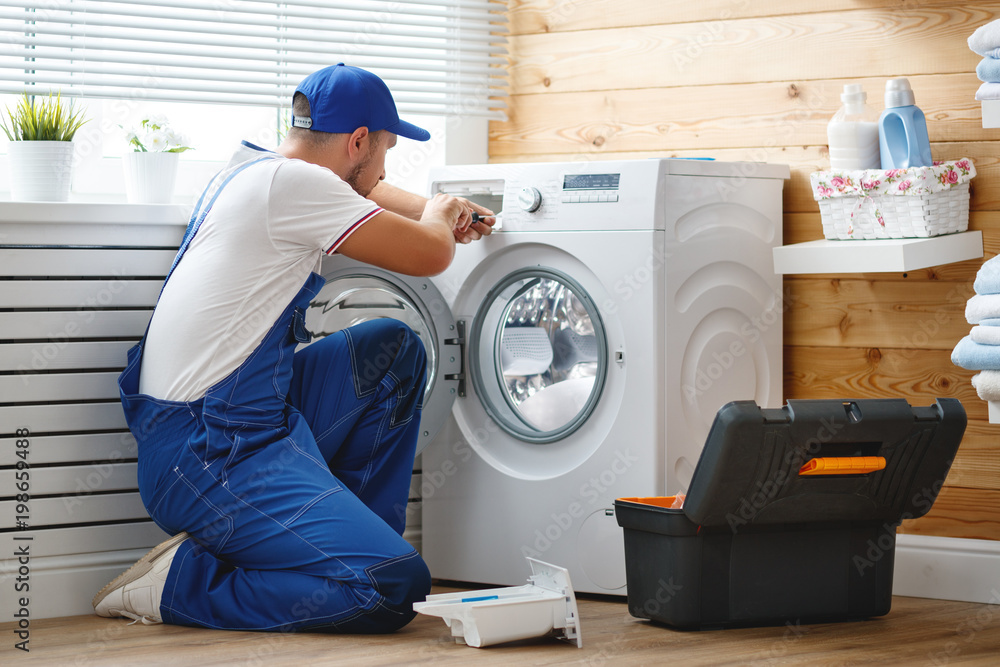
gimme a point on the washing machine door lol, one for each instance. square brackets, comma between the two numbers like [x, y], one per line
[538, 354]
[357, 292]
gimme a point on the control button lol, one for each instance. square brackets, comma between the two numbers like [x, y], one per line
[602, 198]
[575, 199]
[566, 199]
[613, 197]
[529, 199]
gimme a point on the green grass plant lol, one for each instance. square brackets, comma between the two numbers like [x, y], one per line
[42, 119]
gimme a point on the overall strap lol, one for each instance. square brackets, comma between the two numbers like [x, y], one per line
[201, 210]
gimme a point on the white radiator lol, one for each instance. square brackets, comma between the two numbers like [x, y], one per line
[78, 283]
[77, 286]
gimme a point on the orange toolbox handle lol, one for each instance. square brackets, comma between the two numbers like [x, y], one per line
[843, 465]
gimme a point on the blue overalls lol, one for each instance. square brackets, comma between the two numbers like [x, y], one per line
[292, 476]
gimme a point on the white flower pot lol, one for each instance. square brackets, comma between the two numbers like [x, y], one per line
[150, 177]
[40, 170]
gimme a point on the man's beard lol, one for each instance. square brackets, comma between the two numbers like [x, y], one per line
[353, 178]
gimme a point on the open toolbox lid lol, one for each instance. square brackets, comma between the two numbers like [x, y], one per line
[545, 606]
[824, 460]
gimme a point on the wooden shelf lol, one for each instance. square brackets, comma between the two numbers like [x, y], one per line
[878, 255]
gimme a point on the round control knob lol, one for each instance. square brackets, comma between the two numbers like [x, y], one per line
[529, 199]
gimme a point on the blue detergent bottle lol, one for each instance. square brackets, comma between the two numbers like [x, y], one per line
[902, 129]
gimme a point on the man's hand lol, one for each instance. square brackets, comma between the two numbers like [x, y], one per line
[475, 230]
[452, 211]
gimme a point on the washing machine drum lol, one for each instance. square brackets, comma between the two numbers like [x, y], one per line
[538, 355]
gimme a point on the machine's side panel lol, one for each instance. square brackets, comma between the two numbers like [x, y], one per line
[724, 306]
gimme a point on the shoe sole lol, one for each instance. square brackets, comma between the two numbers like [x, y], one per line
[141, 567]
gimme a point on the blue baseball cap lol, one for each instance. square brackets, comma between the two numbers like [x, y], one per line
[343, 98]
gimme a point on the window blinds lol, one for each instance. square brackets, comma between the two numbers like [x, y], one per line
[437, 56]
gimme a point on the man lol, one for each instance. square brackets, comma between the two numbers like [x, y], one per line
[280, 471]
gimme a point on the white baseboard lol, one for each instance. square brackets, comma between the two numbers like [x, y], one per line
[947, 568]
[59, 585]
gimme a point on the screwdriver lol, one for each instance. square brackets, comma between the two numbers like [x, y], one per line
[476, 217]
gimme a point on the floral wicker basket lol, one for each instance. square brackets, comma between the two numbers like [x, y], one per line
[894, 204]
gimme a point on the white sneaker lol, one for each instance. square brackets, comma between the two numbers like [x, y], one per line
[136, 593]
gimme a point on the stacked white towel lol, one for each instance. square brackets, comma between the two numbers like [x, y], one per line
[986, 42]
[980, 350]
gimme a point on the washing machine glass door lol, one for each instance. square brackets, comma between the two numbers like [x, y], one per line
[356, 293]
[538, 354]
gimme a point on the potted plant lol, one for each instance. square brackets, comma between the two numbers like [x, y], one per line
[41, 133]
[151, 167]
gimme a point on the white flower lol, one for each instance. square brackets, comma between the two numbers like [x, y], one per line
[156, 141]
[152, 134]
[174, 138]
[157, 119]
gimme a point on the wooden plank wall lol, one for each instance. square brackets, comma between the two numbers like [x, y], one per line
[742, 80]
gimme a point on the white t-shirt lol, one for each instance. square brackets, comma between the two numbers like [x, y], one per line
[263, 237]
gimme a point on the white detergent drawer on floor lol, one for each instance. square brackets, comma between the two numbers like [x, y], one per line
[498, 615]
[544, 606]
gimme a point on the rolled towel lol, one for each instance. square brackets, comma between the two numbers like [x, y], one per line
[988, 91]
[988, 69]
[990, 322]
[986, 38]
[985, 335]
[988, 277]
[987, 384]
[976, 357]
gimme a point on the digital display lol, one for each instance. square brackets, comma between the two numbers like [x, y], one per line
[591, 181]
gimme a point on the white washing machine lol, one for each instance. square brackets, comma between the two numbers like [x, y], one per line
[579, 354]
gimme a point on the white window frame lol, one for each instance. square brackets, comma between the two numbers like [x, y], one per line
[465, 136]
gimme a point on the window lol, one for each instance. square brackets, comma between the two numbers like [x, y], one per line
[225, 70]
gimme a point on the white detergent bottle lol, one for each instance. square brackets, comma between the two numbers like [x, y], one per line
[902, 129]
[853, 132]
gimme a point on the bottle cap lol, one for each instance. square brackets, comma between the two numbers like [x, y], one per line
[898, 93]
[853, 94]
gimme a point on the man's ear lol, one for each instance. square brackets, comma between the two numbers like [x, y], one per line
[358, 143]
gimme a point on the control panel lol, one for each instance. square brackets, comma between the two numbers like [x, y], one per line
[585, 196]
[590, 188]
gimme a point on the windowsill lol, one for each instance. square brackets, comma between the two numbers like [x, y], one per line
[90, 213]
[92, 224]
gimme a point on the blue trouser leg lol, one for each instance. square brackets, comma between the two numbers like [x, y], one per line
[283, 542]
[370, 441]
[300, 552]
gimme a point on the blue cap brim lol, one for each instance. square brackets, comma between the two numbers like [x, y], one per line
[409, 130]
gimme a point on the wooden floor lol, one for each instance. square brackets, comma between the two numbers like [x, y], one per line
[915, 632]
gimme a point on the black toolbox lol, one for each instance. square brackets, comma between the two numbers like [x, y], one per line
[791, 514]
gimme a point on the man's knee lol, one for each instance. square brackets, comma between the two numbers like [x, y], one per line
[385, 345]
[402, 343]
[401, 583]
